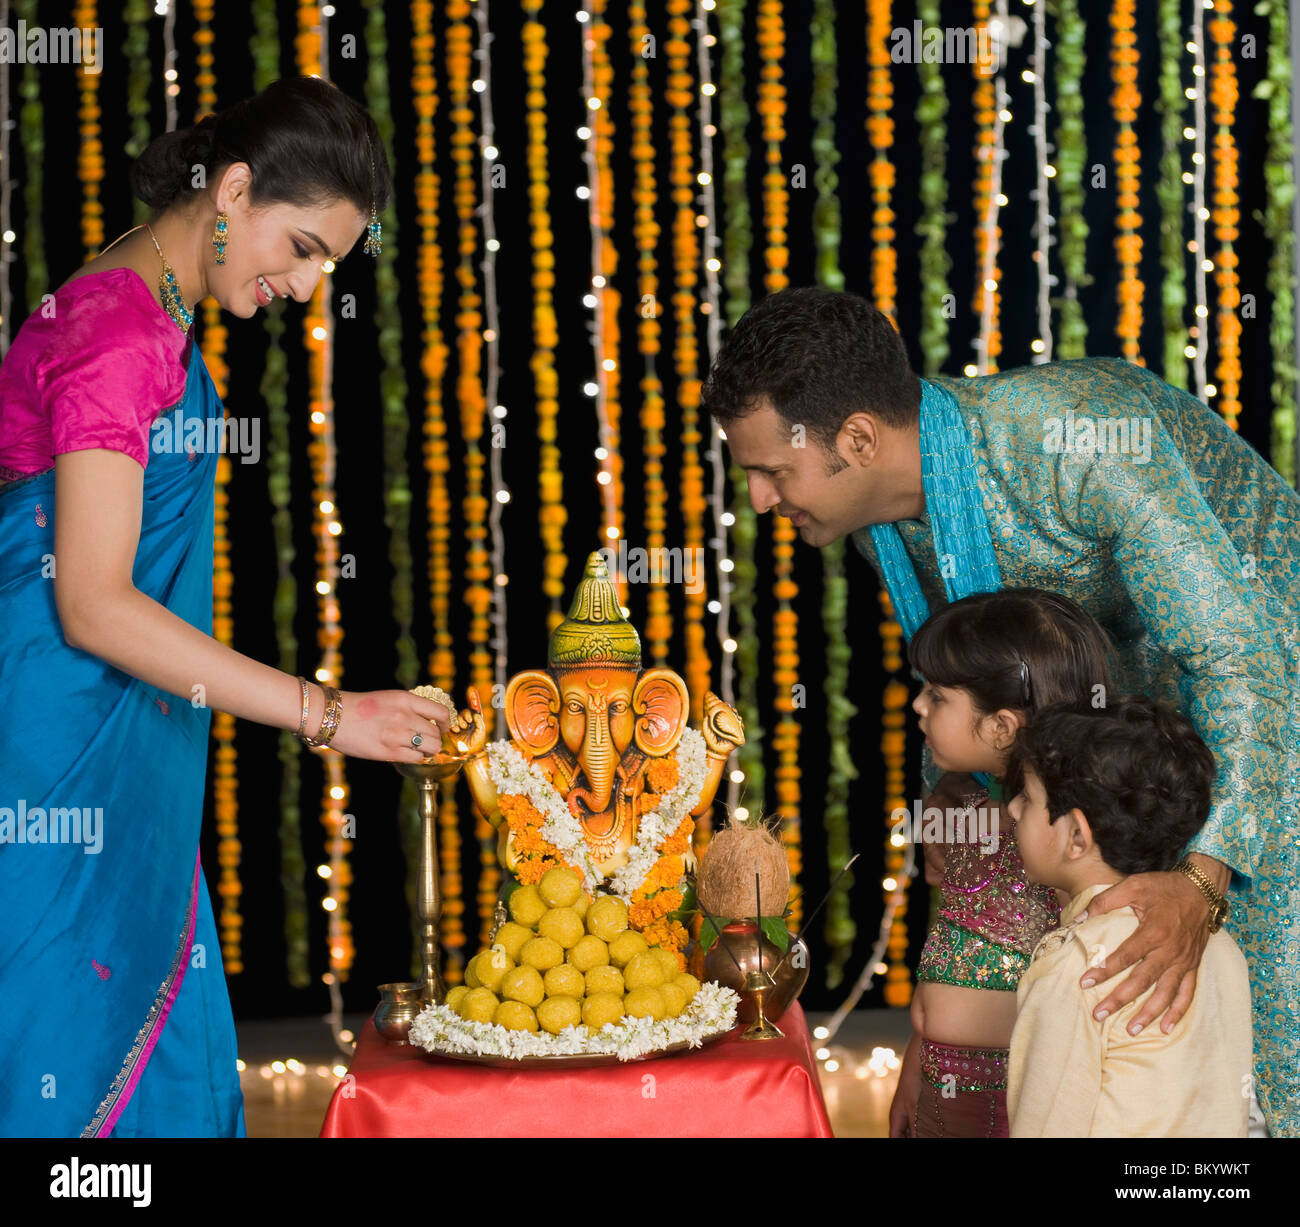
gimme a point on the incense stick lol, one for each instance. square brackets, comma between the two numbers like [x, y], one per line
[717, 928]
[829, 891]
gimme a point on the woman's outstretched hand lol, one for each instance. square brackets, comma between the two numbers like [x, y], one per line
[380, 724]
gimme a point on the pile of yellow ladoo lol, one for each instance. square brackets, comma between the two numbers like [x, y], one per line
[563, 960]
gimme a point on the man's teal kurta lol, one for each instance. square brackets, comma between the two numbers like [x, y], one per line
[1134, 499]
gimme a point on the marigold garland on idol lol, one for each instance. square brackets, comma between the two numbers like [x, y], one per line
[594, 797]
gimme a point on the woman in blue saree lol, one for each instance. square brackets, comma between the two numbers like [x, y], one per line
[117, 1021]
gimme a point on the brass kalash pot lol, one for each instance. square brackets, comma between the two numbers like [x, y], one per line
[766, 978]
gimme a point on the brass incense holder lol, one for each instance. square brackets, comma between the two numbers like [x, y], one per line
[757, 985]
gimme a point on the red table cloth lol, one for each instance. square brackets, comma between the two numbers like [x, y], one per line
[731, 1088]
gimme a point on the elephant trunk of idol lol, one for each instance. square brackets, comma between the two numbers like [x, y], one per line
[599, 759]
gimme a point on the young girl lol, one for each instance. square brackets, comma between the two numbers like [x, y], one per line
[988, 662]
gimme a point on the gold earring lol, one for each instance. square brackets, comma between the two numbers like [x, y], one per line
[219, 237]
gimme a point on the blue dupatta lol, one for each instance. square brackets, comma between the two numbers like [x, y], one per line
[101, 800]
[963, 544]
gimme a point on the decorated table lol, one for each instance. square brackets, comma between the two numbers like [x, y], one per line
[628, 987]
[732, 1088]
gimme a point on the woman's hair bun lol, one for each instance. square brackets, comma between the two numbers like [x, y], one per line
[306, 142]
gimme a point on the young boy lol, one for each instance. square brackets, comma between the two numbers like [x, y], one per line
[1107, 793]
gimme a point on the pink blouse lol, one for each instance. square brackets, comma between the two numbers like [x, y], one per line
[96, 373]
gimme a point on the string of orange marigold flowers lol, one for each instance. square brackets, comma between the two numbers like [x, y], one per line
[90, 153]
[686, 353]
[884, 288]
[550, 479]
[988, 233]
[473, 415]
[659, 622]
[442, 660]
[1226, 213]
[1125, 99]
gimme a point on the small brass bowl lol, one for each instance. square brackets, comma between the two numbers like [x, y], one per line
[398, 1007]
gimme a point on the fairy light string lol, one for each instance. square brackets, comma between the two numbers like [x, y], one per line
[747, 769]
[1200, 330]
[327, 527]
[720, 605]
[500, 496]
[602, 298]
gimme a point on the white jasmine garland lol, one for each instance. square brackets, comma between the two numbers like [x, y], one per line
[712, 1011]
[515, 775]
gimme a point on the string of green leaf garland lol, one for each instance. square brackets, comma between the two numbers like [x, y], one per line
[265, 49]
[840, 929]
[737, 241]
[397, 488]
[140, 75]
[932, 226]
[1279, 189]
[31, 123]
[1071, 151]
[1170, 193]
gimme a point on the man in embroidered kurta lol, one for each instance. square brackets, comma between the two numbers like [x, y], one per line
[1099, 481]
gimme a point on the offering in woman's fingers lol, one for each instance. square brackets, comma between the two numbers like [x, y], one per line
[435, 694]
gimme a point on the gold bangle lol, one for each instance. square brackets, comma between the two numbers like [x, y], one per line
[329, 725]
[306, 709]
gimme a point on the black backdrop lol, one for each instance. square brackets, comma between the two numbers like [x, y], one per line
[378, 909]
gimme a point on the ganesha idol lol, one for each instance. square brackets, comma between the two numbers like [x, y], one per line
[602, 771]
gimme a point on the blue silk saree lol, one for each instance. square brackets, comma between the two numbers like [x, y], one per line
[116, 1020]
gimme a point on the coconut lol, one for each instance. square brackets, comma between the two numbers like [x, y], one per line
[725, 879]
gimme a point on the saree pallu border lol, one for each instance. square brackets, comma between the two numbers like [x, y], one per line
[119, 1094]
[88, 733]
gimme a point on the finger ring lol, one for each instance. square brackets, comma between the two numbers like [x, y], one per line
[417, 741]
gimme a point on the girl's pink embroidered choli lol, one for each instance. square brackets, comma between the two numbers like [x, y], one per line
[991, 917]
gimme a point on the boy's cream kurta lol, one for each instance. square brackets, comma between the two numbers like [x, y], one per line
[1073, 1077]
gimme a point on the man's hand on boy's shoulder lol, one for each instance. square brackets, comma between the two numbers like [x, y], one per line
[1173, 929]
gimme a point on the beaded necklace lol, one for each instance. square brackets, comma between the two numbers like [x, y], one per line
[172, 301]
